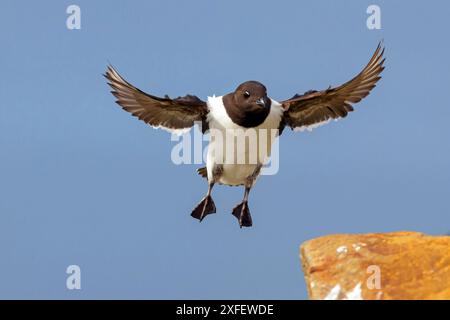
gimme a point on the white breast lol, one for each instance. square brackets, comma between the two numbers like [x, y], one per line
[240, 163]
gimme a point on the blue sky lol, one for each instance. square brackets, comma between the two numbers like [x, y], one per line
[82, 182]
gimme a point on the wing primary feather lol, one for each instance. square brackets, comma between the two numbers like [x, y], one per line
[317, 107]
[175, 115]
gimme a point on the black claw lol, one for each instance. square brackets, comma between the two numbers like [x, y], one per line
[242, 213]
[205, 207]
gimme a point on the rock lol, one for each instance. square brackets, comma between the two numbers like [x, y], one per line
[398, 265]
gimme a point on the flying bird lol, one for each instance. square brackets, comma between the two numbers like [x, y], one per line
[247, 108]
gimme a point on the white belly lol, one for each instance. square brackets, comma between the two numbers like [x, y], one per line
[239, 150]
[235, 175]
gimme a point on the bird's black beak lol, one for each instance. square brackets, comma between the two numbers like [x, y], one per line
[261, 102]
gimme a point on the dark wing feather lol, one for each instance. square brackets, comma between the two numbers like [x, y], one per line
[171, 114]
[318, 107]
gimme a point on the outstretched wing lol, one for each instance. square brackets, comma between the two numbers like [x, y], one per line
[315, 108]
[176, 115]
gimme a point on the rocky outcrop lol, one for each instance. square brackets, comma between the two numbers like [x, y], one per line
[399, 265]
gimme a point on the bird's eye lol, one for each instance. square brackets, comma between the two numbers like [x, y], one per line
[246, 94]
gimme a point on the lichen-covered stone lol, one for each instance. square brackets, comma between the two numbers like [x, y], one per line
[399, 265]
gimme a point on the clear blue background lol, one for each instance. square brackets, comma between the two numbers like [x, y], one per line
[82, 182]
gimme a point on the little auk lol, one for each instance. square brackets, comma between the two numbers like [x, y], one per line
[247, 108]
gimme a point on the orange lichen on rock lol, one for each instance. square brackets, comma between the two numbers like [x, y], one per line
[398, 265]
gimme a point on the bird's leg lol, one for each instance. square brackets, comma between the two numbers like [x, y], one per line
[241, 211]
[206, 205]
